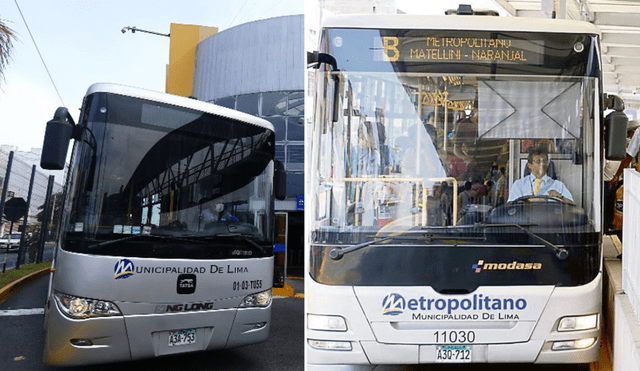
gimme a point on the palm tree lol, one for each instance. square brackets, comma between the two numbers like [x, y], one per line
[6, 46]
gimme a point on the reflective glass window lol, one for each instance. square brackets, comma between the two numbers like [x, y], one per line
[274, 103]
[248, 103]
[229, 102]
[295, 128]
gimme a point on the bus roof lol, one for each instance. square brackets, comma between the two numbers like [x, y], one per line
[458, 22]
[178, 101]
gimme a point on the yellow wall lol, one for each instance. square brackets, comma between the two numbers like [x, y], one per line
[182, 56]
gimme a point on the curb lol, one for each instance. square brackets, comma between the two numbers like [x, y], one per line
[287, 291]
[17, 285]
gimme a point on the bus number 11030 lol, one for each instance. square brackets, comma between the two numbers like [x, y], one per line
[452, 337]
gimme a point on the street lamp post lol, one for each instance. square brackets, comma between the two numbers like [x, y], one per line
[133, 29]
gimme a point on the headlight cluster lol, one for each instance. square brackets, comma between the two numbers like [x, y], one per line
[81, 308]
[326, 323]
[260, 299]
[578, 323]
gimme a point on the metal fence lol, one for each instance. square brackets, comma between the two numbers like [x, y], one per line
[20, 180]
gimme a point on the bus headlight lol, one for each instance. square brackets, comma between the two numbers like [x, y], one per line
[578, 323]
[573, 344]
[260, 299]
[80, 308]
[326, 323]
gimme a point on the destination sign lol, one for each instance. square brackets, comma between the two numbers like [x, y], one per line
[443, 49]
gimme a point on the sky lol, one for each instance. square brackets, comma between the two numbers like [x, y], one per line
[81, 43]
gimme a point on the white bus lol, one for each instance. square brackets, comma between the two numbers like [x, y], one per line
[166, 239]
[421, 127]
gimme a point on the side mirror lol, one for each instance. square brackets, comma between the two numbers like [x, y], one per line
[616, 135]
[315, 59]
[613, 102]
[615, 125]
[56, 140]
[280, 180]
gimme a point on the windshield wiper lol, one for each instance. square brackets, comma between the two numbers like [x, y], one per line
[561, 253]
[338, 252]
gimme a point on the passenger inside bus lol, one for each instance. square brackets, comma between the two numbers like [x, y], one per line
[539, 183]
[421, 157]
[479, 154]
[366, 152]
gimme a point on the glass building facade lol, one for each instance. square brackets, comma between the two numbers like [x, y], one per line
[285, 110]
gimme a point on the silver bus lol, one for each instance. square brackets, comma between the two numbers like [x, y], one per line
[166, 240]
[426, 241]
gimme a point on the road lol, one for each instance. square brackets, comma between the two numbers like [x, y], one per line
[22, 341]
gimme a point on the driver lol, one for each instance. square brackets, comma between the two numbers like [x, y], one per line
[538, 183]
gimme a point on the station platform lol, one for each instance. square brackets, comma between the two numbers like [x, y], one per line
[612, 283]
[612, 249]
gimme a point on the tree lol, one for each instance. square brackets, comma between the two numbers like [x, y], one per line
[6, 46]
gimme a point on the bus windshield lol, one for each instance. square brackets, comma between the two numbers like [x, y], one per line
[412, 162]
[156, 180]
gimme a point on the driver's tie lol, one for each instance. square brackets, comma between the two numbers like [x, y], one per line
[536, 189]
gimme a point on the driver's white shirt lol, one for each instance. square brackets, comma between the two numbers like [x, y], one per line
[524, 187]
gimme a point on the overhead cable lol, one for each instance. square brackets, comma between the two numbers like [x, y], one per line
[38, 50]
